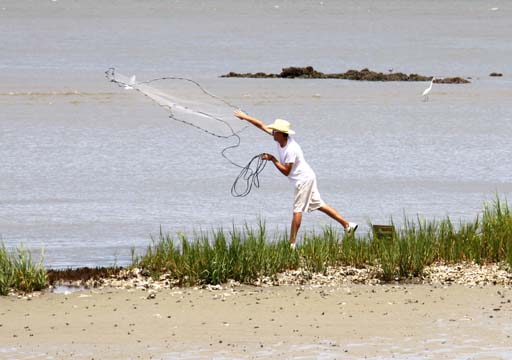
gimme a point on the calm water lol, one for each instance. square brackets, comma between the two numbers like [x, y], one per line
[89, 170]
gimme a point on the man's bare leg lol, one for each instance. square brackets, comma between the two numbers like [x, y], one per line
[329, 210]
[296, 221]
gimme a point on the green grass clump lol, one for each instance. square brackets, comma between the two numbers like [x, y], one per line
[18, 272]
[487, 240]
[238, 255]
[318, 252]
[496, 233]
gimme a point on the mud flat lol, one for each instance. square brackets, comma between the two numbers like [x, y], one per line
[333, 320]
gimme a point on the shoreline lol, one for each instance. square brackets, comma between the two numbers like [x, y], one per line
[466, 274]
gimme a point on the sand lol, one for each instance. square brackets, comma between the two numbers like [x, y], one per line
[346, 322]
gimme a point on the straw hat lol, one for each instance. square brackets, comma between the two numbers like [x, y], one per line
[281, 126]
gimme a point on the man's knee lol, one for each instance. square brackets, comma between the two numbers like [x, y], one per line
[297, 218]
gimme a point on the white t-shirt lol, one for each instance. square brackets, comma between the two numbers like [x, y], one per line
[292, 153]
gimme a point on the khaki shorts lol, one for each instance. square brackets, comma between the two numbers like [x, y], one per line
[307, 198]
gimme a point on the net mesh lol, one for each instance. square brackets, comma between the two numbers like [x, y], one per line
[189, 103]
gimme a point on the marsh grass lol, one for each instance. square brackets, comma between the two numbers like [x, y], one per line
[245, 255]
[318, 252]
[486, 240]
[240, 255]
[18, 272]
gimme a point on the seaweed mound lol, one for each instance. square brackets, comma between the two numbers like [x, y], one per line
[83, 274]
[365, 74]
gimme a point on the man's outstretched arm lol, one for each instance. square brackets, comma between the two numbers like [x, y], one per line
[256, 122]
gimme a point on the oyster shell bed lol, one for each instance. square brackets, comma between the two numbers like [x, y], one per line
[468, 274]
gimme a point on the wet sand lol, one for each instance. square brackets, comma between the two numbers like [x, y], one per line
[346, 322]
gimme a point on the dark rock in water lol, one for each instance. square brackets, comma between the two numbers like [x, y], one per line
[309, 72]
[451, 80]
[495, 74]
[250, 75]
[300, 72]
[369, 75]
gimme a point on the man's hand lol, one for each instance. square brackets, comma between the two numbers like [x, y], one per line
[258, 123]
[267, 157]
[240, 114]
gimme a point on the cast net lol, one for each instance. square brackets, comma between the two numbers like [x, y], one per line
[188, 102]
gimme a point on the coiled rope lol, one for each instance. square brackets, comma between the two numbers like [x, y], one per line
[249, 174]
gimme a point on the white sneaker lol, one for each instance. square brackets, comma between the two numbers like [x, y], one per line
[292, 246]
[351, 229]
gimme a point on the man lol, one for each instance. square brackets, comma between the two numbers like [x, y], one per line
[292, 164]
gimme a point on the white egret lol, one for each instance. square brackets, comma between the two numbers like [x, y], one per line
[130, 83]
[427, 90]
